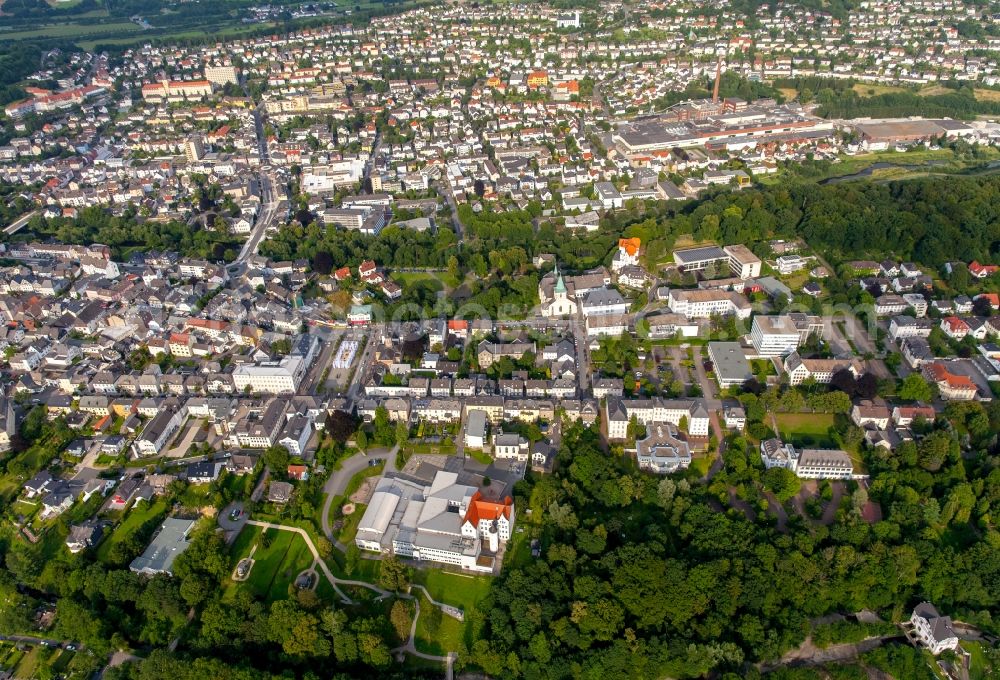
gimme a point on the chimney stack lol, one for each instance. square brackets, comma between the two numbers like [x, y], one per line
[718, 76]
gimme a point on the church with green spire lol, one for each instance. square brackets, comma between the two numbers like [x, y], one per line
[554, 296]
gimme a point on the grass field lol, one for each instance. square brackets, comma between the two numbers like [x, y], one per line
[980, 668]
[72, 30]
[806, 429]
[135, 518]
[455, 589]
[29, 665]
[437, 633]
[873, 90]
[275, 567]
[348, 531]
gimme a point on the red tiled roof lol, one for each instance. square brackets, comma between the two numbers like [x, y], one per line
[480, 509]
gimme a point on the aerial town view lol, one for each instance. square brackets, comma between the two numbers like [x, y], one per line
[571, 339]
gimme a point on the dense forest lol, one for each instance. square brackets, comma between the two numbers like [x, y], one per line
[646, 577]
[930, 220]
[130, 233]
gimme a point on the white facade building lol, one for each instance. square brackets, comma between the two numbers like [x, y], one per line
[444, 522]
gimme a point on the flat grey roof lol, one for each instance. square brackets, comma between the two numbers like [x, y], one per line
[161, 552]
[700, 254]
[730, 361]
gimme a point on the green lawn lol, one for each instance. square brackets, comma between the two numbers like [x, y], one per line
[275, 567]
[29, 665]
[701, 464]
[980, 667]
[195, 496]
[243, 543]
[297, 559]
[806, 429]
[71, 30]
[437, 633]
[350, 529]
[266, 562]
[135, 517]
[457, 590]
[479, 456]
[405, 279]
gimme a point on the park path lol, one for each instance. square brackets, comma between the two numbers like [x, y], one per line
[334, 581]
[411, 648]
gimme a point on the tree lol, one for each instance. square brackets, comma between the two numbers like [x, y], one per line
[352, 558]
[276, 458]
[866, 386]
[915, 388]
[934, 450]
[782, 482]
[341, 425]
[361, 439]
[322, 262]
[394, 575]
[400, 618]
[981, 306]
[402, 433]
[844, 381]
[384, 433]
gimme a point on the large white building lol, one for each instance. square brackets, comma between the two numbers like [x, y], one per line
[703, 304]
[271, 377]
[807, 463]
[444, 522]
[741, 262]
[820, 370]
[618, 412]
[774, 336]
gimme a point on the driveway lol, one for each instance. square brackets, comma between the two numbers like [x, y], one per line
[230, 526]
[338, 481]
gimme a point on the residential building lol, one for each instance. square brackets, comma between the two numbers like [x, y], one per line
[931, 630]
[158, 432]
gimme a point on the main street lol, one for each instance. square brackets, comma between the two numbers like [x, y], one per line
[271, 193]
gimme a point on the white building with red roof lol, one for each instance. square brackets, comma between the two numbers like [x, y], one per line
[444, 522]
[952, 386]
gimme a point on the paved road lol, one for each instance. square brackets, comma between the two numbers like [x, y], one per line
[48, 642]
[268, 216]
[349, 467]
[445, 190]
[367, 351]
[712, 402]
